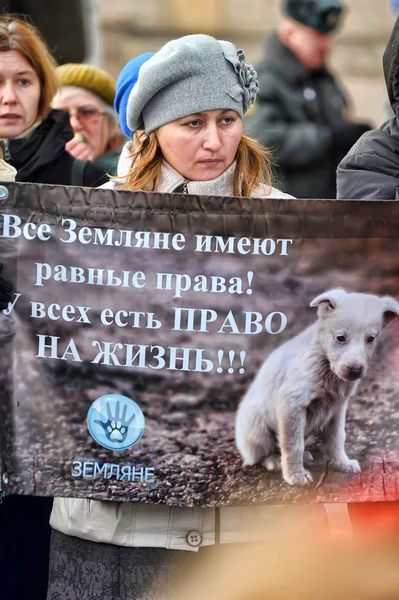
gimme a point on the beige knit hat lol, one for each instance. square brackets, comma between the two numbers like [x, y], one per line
[90, 78]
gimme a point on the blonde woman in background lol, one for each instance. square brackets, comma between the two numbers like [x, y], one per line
[88, 94]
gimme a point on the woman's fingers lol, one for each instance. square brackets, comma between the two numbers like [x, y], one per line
[79, 150]
[72, 145]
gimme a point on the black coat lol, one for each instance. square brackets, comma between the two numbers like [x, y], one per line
[370, 171]
[42, 158]
[294, 116]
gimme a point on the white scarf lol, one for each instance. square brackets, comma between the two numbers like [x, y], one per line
[220, 186]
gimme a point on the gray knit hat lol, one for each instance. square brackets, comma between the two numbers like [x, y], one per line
[192, 74]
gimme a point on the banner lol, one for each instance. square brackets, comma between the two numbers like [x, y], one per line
[171, 349]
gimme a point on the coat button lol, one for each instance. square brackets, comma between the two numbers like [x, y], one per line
[194, 538]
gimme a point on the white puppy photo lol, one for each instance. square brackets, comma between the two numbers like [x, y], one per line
[303, 387]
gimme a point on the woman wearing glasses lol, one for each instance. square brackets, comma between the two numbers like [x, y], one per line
[88, 93]
[33, 136]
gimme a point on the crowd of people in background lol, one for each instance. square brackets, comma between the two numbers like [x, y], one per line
[170, 123]
[301, 113]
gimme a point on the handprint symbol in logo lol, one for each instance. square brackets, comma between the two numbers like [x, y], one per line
[115, 421]
[117, 426]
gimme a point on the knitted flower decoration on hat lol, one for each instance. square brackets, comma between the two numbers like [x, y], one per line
[247, 88]
[192, 74]
[97, 81]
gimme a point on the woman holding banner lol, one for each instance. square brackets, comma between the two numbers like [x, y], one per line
[186, 109]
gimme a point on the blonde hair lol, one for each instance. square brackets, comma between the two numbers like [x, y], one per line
[253, 165]
[16, 34]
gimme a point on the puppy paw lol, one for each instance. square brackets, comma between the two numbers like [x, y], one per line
[299, 478]
[272, 463]
[345, 466]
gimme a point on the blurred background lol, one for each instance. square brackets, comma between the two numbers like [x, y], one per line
[108, 33]
[130, 27]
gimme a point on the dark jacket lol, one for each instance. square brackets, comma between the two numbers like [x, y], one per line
[371, 168]
[294, 114]
[42, 158]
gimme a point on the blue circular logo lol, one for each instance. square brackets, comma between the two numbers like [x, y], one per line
[3, 192]
[115, 422]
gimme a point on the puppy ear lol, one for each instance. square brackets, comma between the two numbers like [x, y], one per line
[391, 310]
[328, 301]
